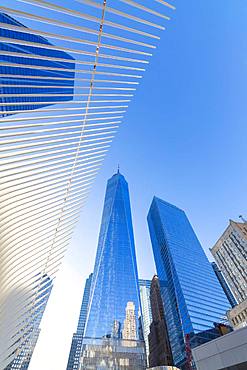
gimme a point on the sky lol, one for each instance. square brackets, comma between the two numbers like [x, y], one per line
[183, 139]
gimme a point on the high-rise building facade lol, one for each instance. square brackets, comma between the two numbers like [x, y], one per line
[192, 296]
[115, 278]
[237, 316]
[159, 345]
[144, 286]
[33, 74]
[114, 305]
[76, 344]
[230, 253]
[224, 284]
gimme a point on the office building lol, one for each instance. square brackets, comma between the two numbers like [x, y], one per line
[114, 297]
[24, 86]
[146, 318]
[129, 326]
[112, 354]
[24, 354]
[76, 344]
[159, 345]
[230, 254]
[115, 278]
[237, 316]
[224, 284]
[192, 295]
[228, 352]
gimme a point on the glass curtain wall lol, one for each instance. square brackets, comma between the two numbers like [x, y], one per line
[115, 278]
[193, 298]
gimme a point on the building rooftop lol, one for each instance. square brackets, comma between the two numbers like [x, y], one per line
[241, 226]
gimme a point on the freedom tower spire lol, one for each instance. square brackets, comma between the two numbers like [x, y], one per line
[115, 278]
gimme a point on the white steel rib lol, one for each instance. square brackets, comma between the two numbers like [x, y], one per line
[67, 71]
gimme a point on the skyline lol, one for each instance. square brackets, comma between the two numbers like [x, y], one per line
[76, 276]
[208, 182]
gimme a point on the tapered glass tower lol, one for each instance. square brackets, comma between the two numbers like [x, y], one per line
[115, 279]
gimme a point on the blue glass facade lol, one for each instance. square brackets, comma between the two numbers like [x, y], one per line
[31, 68]
[224, 284]
[115, 278]
[76, 345]
[192, 296]
[146, 318]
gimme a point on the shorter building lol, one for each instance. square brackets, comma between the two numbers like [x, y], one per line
[159, 346]
[224, 284]
[111, 354]
[230, 253]
[237, 316]
[76, 344]
[228, 352]
[145, 286]
[129, 328]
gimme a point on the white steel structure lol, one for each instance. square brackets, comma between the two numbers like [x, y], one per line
[56, 129]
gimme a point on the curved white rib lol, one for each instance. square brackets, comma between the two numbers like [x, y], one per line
[63, 92]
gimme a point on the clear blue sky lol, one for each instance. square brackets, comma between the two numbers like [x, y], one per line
[182, 139]
[184, 136]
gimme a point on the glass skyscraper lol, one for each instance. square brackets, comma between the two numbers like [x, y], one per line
[76, 345]
[32, 71]
[224, 284]
[115, 278]
[111, 332]
[146, 310]
[193, 298]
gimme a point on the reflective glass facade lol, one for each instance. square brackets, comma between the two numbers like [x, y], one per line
[115, 279]
[112, 354]
[26, 70]
[146, 310]
[193, 298]
[224, 284]
[76, 345]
